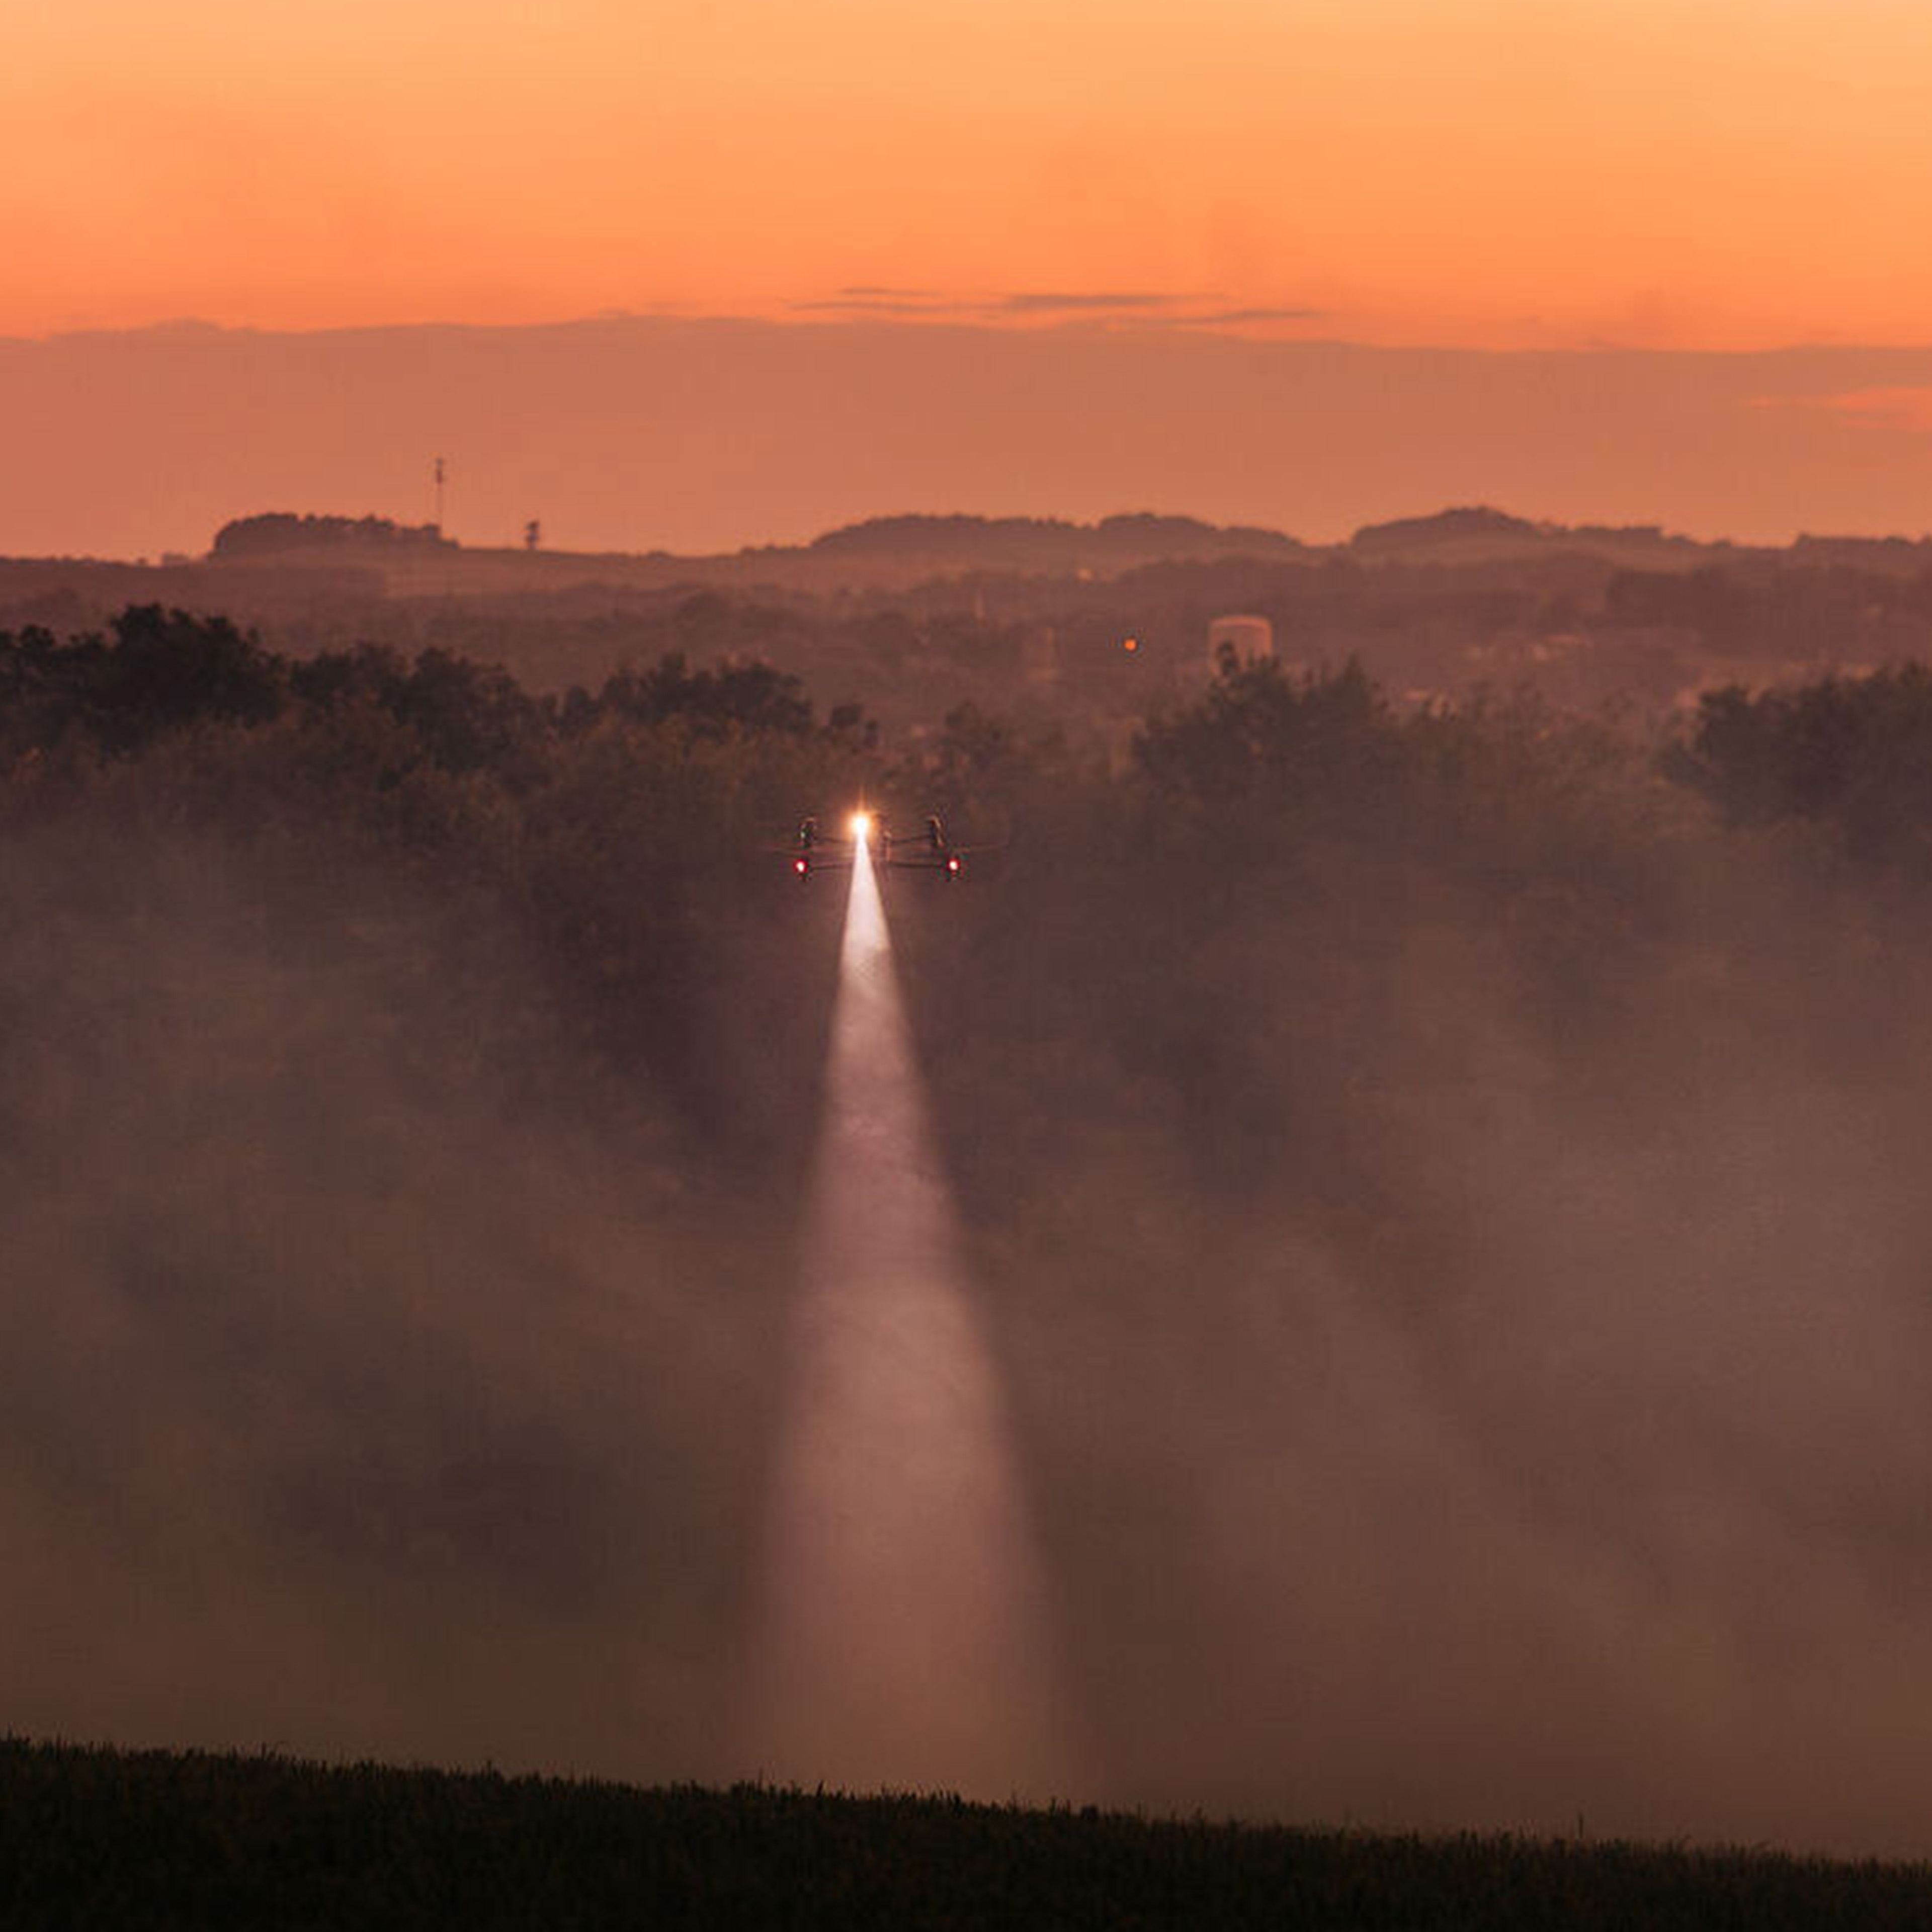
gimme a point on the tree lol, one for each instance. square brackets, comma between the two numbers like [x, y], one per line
[161, 670]
[1853, 753]
[740, 696]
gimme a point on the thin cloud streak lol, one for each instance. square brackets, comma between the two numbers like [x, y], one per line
[1041, 302]
[1896, 409]
[1233, 317]
[868, 299]
[1144, 308]
[879, 305]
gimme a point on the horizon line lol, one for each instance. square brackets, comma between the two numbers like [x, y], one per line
[987, 320]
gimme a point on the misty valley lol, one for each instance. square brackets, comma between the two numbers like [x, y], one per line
[965, 968]
[1433, 1179]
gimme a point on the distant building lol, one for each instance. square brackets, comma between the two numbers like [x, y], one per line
[1250, 637]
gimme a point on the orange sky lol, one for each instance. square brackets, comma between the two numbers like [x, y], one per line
[1504, 172]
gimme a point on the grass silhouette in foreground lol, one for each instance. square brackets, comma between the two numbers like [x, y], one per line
[97, 1836]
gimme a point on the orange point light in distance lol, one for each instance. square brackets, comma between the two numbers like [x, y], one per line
[861, 824]
[1130, 645]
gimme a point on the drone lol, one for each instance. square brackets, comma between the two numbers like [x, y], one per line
[932, 851]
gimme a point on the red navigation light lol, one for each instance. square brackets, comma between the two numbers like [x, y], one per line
[801, 866]
[952, 866]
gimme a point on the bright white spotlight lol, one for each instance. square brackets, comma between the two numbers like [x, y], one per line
[906, 1635]
[862, 825]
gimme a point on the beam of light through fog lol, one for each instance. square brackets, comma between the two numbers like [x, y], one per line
[903, 1635]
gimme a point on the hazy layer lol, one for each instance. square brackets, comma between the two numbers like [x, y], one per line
[639, 435]
[1454, 1284]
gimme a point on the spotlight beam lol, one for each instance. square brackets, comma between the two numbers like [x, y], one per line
[903, 1639]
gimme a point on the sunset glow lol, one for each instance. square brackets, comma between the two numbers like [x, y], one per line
[966, 961]
[1497, 173]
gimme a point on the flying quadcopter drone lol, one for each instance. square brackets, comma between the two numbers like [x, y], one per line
[932, 851]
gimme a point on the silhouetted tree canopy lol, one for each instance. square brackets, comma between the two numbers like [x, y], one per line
[1854, 753]
[1260, 737]
[278, 531]
[1329, 1038]
[742, 697]
[628, 833]
[158, 671]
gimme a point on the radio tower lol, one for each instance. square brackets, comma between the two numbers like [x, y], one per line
[438, 496]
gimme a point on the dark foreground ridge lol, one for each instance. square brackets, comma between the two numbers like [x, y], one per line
[96, 1837]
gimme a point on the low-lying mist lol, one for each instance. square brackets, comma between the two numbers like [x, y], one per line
[1454, 1247]
[1471, 1323]
[350, 1404]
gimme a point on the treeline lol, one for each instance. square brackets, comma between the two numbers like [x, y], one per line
[1048, 544]
[1319, 1024]
[626, 833]
[156, 671]
[1436, 1148]
[1852, 754]
[278, 531]
[602, 842]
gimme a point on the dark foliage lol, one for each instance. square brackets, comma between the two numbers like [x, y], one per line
[467, 717]
[1852, 754]
[159, 671]
[734, 697]
[1444, 526]
[1263, 740]
[614, 831]
[1322, 1016]
[1044, 543]
[277, 531]
[99, 1837]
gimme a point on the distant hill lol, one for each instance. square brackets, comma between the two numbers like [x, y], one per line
[905, 549]
[701, 435]
[1477, 528]
[1444, 526]
[1049, 545]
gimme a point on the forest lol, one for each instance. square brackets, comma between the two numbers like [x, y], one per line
[1444, 1150]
